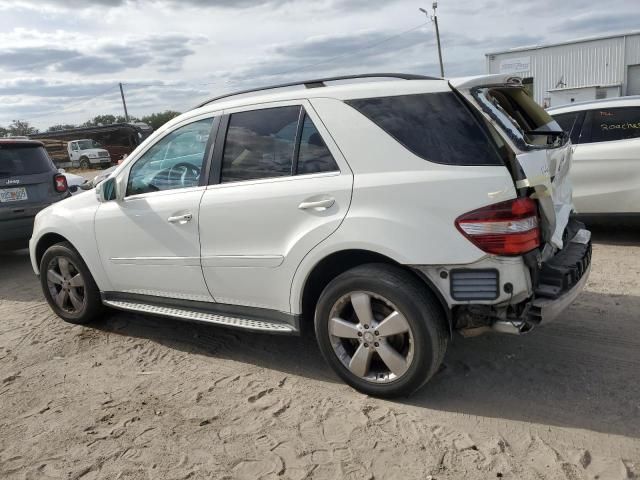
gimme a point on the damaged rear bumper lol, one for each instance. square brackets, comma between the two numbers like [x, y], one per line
[560, 281]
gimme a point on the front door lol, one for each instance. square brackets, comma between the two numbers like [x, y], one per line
[281, 187]
[149, 241]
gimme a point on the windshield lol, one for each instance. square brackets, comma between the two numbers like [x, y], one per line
[87, 144]
[526, 122]
[23, 160]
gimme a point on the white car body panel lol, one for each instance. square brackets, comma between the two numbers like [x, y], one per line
[143, 253]
[605, 175]
[73, 219]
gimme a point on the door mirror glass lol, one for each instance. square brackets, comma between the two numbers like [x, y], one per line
[106, 191]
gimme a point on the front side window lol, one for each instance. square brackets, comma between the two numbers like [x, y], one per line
[176, 161]
[610, 124]
[313, 154]
[260, 144]
[437, 127]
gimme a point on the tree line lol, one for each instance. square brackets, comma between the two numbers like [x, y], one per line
[22, 128]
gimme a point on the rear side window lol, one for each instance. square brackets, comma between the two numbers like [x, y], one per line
[436, 126]
[570, 123]
[610, 124]
[23, 159]
[314, 156]
[260, 144]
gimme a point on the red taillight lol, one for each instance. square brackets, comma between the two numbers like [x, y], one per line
[506, 228]
[60, 183]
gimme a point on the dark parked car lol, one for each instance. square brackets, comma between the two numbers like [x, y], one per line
[29, 181]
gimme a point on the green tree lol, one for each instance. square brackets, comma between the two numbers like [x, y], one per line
[156, 120]
[3, 132]
[21, 128]
[61, 126]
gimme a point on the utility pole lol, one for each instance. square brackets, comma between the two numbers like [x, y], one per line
[124, 104]
[434, 19]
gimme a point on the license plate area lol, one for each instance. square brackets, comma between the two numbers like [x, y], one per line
[13, 194]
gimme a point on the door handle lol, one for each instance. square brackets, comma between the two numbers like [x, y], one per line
[181, 219]
[317, 205]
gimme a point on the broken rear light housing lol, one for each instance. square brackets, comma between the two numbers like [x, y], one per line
[60, 183]
[507, 228]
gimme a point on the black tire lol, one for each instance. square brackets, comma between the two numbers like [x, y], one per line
[84, 163]
[424, 315]
[92, 306]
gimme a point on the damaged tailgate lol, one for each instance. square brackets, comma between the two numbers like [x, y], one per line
[542, 150]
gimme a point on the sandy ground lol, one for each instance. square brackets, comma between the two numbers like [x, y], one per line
[139, 397]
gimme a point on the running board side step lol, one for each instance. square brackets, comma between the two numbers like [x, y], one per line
[199, 315]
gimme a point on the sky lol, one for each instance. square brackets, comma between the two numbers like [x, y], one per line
[61, 60]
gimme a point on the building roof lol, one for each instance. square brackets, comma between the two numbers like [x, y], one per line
[568, 42]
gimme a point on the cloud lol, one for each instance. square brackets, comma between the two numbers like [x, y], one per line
[85, 56]
[598, 23]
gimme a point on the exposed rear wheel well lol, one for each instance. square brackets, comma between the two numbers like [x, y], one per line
[45, 242]
[339, 262]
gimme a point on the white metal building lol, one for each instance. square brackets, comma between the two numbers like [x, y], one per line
[575, 71]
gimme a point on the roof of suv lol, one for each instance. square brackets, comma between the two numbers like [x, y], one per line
[20, 141]
[630, 101]
[393, 84]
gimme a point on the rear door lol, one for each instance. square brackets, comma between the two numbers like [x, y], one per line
[279, 187]
[606, 166]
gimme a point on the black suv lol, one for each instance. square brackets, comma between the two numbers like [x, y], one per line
[29, 181]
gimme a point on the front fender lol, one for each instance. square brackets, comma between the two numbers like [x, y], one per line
[72, 219]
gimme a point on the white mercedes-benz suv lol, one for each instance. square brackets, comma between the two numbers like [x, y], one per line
[385, 214]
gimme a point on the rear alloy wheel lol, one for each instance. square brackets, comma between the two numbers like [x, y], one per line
[380, 330]
[68, 285]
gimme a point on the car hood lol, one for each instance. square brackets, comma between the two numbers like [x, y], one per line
[94, 150]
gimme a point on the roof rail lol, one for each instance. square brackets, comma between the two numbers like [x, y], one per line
[320, 82]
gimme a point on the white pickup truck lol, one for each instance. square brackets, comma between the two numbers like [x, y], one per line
[86, 153]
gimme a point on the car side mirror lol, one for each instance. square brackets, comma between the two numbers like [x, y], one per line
[106, 191]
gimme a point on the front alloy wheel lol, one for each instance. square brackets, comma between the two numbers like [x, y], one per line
[66, 285]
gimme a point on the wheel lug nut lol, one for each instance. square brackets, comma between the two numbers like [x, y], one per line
[366, 326]
[359, 334]
[376, 344]
[366, 345]
[376, 332]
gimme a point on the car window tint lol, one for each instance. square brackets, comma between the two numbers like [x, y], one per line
[175, 161]
[568, 123]
[436, 126]
[313, 155]
[609, 124]
[260, 144]
[23, 159]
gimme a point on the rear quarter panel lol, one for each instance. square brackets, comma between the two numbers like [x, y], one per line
[403, 206]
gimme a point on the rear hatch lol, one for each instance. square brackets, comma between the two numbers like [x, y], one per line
[542, 151]
[26, 179]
